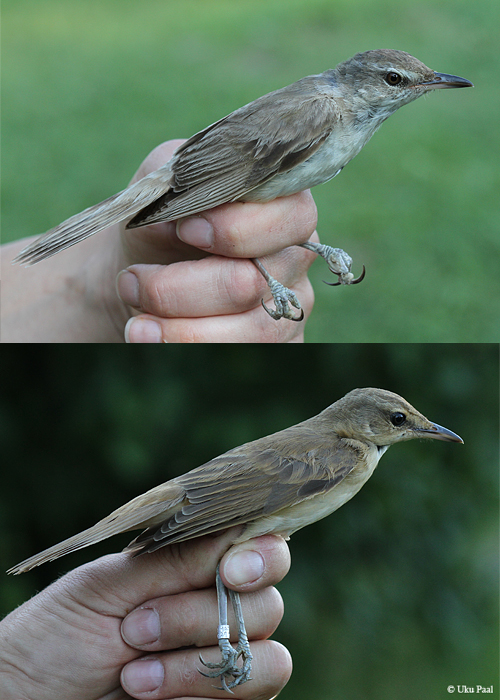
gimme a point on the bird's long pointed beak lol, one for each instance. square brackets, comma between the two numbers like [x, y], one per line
[439, 433]
[443, 80]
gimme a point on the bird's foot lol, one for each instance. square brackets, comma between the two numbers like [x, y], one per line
[283, 297]
[228, 667]
[338, 261]
[244, 652]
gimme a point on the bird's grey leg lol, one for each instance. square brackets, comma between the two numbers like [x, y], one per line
[338, 261]
[228, 664]
[243, 648]
[282, 297]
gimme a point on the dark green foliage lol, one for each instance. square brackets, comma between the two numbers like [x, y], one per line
[393, 596]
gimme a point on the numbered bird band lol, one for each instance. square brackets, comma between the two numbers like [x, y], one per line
[223, 632]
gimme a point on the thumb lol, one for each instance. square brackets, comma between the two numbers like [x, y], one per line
[256, 563]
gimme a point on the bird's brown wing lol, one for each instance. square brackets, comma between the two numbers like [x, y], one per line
[248, 147]
[237, 488]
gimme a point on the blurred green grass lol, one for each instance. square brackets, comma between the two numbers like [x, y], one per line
[90, 87]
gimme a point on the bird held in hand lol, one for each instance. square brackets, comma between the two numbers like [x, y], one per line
[284, 142]
[274, 485]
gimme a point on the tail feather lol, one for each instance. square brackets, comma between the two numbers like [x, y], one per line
[72, 544]
[98, 217]
[152, 507]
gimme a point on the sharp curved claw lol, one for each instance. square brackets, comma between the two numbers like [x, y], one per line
[276, 315]
[360, 278]
[239, 680]
[356, 281]
[208, 665]
[298, 318]
[225, 686]
[221, 667]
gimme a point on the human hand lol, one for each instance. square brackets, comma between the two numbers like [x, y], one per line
[213, 292]
[89, 635]
[190, 290]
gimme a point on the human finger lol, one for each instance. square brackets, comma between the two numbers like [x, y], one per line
[209, 287]
[191, 619]
[126, 582]
[253, 326]
[175, 674]
[256, 563]
[251, 229]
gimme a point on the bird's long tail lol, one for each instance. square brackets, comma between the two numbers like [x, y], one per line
[93, 534]
[98, 217]
[148, 509]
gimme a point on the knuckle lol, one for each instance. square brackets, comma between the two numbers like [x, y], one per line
[242, 284]
[188, 332]
[302, 220]
[273, 609]
[231, 235]
[282, 663]
[186, 621]
[155, 295]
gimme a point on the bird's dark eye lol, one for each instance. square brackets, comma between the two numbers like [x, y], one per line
[398, 419]
[393, 78]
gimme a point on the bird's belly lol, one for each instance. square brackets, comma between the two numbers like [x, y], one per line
[286, 522]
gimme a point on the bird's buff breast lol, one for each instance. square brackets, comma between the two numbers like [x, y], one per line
[288, 520]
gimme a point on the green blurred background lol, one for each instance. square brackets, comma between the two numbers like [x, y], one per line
[393, 596]
[91, 86]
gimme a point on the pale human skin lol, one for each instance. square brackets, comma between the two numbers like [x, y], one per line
[73, 640]
[204, 297]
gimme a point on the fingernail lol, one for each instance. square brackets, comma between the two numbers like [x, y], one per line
[142, 330]
[141, 627]
[196, 231]
[243, 567]
[142, 676]
[127, 288]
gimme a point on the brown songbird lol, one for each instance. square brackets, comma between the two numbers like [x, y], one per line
[286, 141]
[274, 485]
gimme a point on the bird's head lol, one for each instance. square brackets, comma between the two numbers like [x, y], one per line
[384, 418]
[382, 81]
